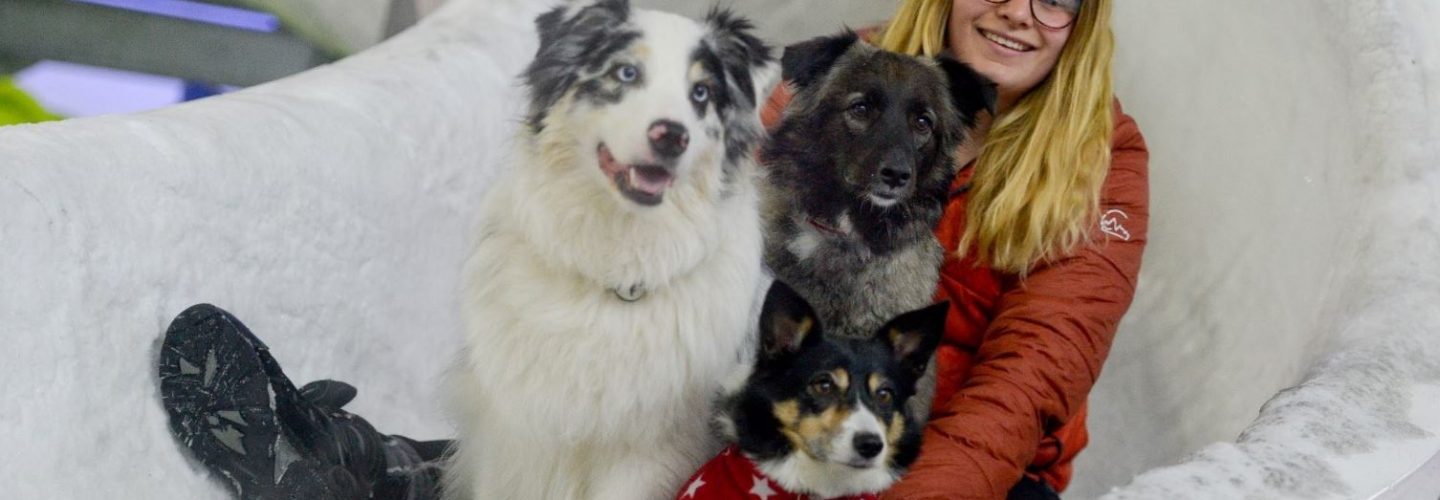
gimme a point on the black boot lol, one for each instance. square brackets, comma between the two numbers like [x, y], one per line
[219, 400]
[338, 455]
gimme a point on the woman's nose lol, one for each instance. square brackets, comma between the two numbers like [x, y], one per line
[1015, 12]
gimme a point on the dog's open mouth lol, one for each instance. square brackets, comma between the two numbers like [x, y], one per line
[643, 184]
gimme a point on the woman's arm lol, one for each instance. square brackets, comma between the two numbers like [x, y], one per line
[1043, 351]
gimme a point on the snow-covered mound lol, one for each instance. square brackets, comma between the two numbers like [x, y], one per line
[1295, 178]
[330, 211]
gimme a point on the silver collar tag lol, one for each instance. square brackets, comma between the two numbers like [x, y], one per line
[631, 294]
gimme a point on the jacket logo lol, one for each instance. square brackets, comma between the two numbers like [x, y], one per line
[1110, 224]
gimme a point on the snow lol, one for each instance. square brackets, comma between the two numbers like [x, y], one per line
[1406, 455]
[330, 211]
[1299, 250]
[1285, 341]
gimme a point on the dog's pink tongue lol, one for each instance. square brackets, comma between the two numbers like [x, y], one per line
[650, 180]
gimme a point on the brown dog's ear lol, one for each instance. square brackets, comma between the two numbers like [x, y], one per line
[913, 336]
[969, 90]
[787, 323]
[807, 61]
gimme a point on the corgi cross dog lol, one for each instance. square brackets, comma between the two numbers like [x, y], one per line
[611, 289]
[820, 414]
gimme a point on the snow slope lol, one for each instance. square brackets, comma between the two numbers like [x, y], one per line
[1285, 341]
[1296, 175]
[330, 211]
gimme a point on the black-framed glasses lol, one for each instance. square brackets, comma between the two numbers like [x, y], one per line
[1053, 14]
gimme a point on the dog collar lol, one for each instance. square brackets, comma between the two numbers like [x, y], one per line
[631, 293]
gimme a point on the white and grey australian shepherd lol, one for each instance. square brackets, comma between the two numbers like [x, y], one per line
[618, 260]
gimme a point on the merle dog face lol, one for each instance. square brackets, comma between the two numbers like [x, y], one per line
[834, 403]
[644, 100]
[872, 133]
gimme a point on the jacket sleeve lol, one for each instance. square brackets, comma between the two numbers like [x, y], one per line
[1043, 350]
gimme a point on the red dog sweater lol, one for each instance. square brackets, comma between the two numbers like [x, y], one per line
[731, 476]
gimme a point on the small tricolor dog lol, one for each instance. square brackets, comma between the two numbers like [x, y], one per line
[820, 416]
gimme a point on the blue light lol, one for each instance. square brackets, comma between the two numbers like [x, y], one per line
[195, 11]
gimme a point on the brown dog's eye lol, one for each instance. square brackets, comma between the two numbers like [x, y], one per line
[860, 109]
[885, 396]
[923, 124]
[822, 385]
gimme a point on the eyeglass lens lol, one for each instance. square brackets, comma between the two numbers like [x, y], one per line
[1054, 14]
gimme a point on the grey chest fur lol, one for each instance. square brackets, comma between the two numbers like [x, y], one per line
[854, 290]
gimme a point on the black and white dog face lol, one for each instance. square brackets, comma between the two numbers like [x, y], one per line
[647, 100]
[821, 413]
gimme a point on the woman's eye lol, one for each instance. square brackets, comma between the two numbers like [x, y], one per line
[627, 73]
[701, 93]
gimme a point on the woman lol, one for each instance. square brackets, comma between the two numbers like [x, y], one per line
[1045, 227]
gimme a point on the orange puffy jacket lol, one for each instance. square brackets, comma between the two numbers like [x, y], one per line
[1019, 356]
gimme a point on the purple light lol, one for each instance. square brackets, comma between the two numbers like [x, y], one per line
[76, 90]
[196, 11]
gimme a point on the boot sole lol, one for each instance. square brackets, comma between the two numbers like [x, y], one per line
[220, 404]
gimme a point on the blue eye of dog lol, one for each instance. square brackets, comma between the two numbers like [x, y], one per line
[700, 93]
[627, 73]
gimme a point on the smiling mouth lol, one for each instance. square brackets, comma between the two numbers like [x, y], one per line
[642, 184]
[883, 200]
[1009, 43]
[859, 464]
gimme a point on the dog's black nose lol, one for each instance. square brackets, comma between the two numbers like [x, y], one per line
[669, 139]
[896, 178]
[868, 444]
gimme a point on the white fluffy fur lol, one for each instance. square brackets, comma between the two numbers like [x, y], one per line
[842, 445]
[565, 391]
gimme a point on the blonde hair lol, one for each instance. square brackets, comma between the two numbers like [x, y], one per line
[1036, 188]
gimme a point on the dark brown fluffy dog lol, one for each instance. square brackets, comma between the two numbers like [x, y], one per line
[859, 169]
